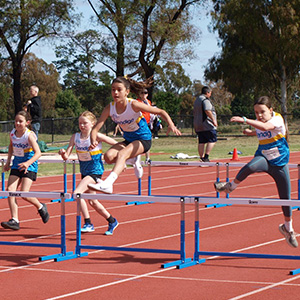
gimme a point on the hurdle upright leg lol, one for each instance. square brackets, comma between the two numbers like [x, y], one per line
[217, 180]
[64, 255]
[73, 180]
[183, 262]
[78, 229]
[3, 175]
[227, 180]
[298, 166]
[65, 181]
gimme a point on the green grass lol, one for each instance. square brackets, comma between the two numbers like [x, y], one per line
[167, 146]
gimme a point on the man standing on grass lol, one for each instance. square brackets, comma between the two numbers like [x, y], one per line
[34, 107]
[205, 123]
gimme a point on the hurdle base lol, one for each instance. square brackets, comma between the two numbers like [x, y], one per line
[175, 263]
[66, 200]
[53, 256]
[71, 255]
[221, 205]
[192, 263]
[138, 202]
[82, 254]
[295, 272]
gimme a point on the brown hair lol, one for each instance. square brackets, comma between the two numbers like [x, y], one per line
[26, 115]
[135, 87]
[264, 100]
[89, 115]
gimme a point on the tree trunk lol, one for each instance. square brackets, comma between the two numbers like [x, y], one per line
[283, 98]
[17, 71]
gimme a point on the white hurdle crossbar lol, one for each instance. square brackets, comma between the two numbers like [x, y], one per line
[119, 197]
[62, 245]
[240, 201]
[210, 164]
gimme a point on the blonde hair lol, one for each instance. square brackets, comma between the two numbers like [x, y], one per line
[89, 115]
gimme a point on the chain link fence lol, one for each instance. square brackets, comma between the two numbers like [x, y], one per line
[59, 130]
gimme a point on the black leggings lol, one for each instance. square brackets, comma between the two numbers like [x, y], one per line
[280, 174]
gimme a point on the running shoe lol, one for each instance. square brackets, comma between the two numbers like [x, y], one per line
[147, 161]
[11, 224]
[44, 213]
[88, 228]
[138, 169]
[289, 236]
[205, 159]
[223, 187]
[101, 187]
[112, 227]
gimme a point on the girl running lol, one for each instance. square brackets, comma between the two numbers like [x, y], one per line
[127, 113]
[91, 168]
[272, 157]
[23, 145]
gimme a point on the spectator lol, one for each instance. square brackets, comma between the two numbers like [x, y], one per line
[205, 123]
[34, 107]
[143, 99]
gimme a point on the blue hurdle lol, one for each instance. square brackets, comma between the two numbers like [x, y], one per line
[65, 180]
[240, 201]
[62, 245]
[176, 199]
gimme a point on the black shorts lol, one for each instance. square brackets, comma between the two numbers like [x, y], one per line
[146, 144]
[21, 174]
[94, 176]
[207, 136]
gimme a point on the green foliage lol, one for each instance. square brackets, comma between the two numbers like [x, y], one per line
[242, 105]
[45, 76]
[171, 77]
[4, 102]
[23, 24]
[167, 101]
[67, 104]
[260, 47]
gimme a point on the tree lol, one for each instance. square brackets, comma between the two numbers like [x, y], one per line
[167, 101]
[171, 77]
[36, 71]
[23, 23]
[260, 47]
[141, 33]
[67, 105]
[4, 102]
[78, 58]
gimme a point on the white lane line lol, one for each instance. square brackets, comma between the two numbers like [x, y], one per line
[109, 284]
[265, 288]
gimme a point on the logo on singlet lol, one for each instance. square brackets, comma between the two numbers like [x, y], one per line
[264, 134]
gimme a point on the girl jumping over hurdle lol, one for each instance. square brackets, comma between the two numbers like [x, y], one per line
[91, 168]
[272, 157]
[23, 145]
[127, 113]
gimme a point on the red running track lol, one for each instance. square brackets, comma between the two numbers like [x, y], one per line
[135, 275]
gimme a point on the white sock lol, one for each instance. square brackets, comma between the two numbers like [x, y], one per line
[234, 185]
[41, 207]
[16, 220]
[288, 226]
[112, 177]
